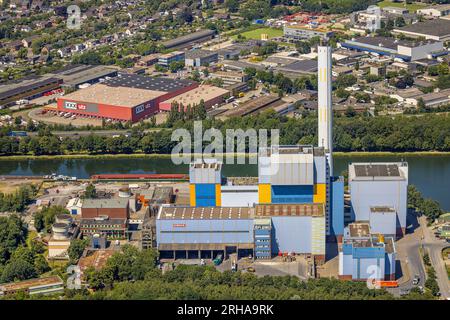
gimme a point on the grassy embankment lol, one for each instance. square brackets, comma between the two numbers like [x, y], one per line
[145, 155]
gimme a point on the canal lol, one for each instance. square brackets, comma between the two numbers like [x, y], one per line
[430, 173]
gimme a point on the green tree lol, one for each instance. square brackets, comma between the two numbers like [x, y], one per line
[76, 248]
[90, 192]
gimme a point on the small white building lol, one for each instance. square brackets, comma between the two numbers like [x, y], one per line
[435, 11]
[74, 206]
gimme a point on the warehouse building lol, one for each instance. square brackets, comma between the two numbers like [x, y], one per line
[436, 29]
[125, 98]
[401, 49]
[73, 76]
[302, 32]
[27, 88]
[200, 232]
[199, 58]
[365, 255]
[210, 95]
[189, 40]
[380, 184]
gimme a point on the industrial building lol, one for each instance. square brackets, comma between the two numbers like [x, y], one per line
[204, 232]
[189, 40]
[401, 49]
[436, 29]
[166, 59]
[27, 88]
[73, 76]
[43, 286]
[365, 255]
[126, 97]
[199, 58]
[229, 77]
[63, 232]
[205, 178]
[376, 191]
[111, 228]
[302, 32]
[210, 95]
[116, 208]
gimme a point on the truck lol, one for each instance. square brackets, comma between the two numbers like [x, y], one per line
[18, 134]
[218, 259]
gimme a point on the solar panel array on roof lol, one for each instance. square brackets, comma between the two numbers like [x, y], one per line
[377, 170]
[142, 82]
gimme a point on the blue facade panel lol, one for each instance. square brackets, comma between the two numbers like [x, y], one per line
[205, 202]
[293, 194]
[337, 206]
[205, 195]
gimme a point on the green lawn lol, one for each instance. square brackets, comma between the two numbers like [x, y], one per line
[411, 7]
[256, 34]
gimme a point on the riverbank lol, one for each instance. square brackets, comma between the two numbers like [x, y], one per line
[168, 156]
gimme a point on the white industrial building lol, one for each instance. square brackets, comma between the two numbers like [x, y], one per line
[379, 184]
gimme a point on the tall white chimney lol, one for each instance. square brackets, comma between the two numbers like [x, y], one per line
[325, 111]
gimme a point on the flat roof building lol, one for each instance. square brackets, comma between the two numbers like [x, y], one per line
[436, 29]
[210, 95]
[379, 185]
[402, 49]
[435, 11]
[27, 88]
[127, 97]
[175, 56]
[75, 75]
[189, 40]
[301, 32]
[364, 255]
[44, 286]
[198, 58]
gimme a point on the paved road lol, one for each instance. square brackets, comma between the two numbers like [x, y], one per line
[408, 253]
[435, 247]
[106, 133]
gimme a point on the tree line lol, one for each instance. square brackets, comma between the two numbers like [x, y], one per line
[428, 207]
[17, 201]
[429, 132]
[134, 274]
[19, 260]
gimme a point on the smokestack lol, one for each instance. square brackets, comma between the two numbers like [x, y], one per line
[325, 111]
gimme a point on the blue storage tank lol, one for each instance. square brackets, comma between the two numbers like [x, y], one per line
[293, 194]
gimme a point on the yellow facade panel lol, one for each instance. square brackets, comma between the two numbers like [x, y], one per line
[264, 193]
[192, 195]
[218, 196]
[320, 193]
